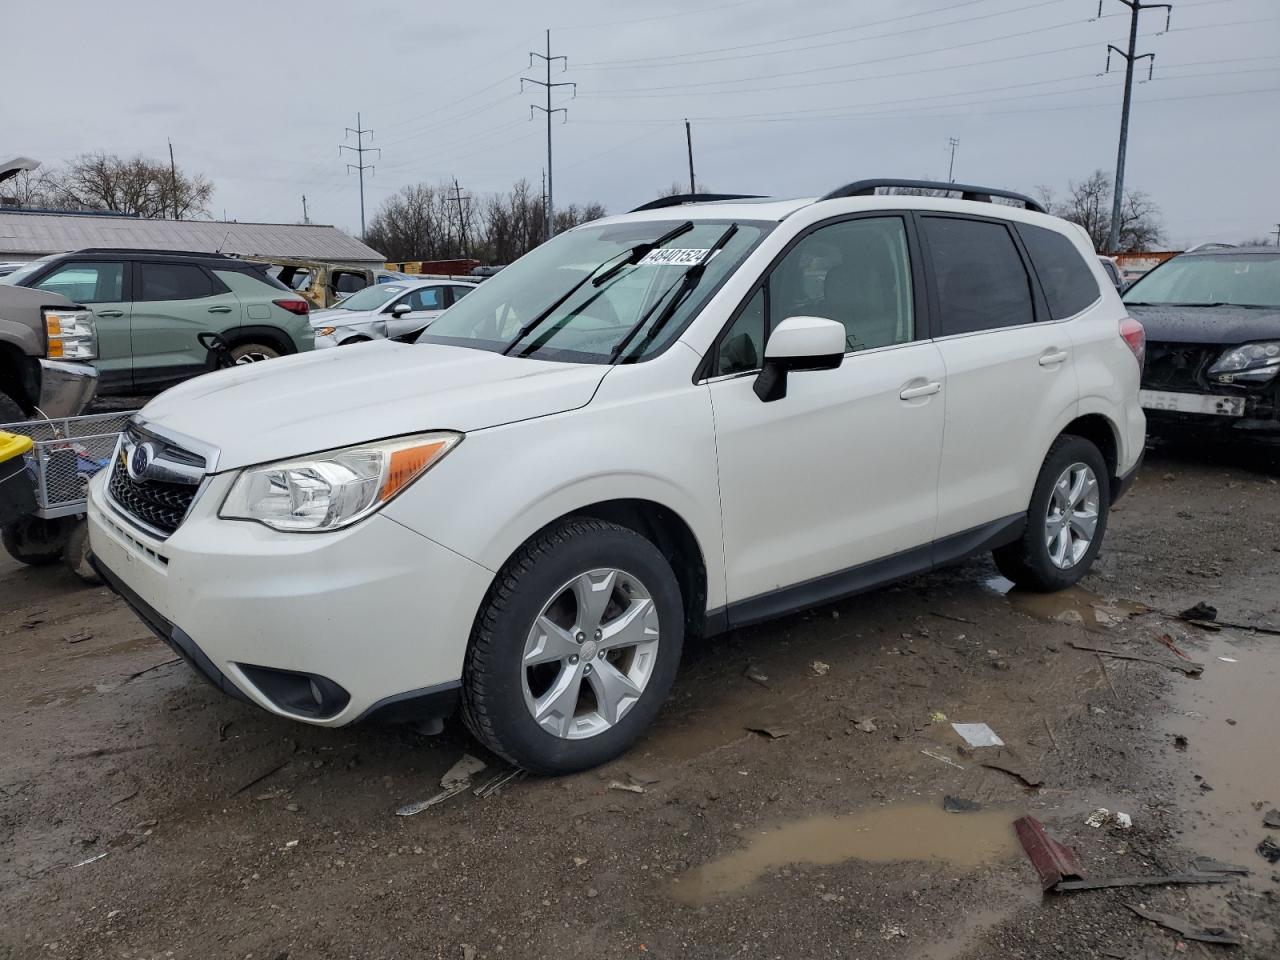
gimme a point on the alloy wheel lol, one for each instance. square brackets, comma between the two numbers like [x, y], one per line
[1072, 518]
[590, 653]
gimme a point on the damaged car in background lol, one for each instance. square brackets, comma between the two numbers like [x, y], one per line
[1212, 318]
[396, 311]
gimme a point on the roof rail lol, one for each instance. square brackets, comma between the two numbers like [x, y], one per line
[147, 250]
[866, 188]
[680, 198]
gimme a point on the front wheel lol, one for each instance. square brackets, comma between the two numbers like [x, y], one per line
[574, 649]
[1066, 521]
[37, 542]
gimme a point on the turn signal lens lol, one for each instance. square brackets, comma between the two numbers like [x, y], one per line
[70, 334]
[407, 463]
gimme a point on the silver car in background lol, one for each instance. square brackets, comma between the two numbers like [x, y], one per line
[399, 310]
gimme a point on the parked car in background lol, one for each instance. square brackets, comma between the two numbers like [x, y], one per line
[325, 284]
[47, 345]
[681, 420]
[8, 266]
[1112, 270]
[149, 306]
[1213, 341]
[397, 310]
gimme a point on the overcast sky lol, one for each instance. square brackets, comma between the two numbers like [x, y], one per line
[788, 99]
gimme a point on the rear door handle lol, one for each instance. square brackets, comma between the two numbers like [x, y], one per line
[1053, 358]
[109, 313]
[222, 308]
[924, 390]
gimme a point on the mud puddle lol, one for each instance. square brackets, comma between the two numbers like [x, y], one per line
[885, 835]
[1229, 718]
[1075, 605]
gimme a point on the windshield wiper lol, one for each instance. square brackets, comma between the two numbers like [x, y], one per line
[683, 287]
[632, 256]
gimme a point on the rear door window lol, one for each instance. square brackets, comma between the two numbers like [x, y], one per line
[980, 278]
[1068, 283]
[172, 281]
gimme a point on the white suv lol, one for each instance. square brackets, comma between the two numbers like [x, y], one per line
[666, 424]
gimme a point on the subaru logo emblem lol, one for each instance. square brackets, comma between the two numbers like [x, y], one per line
[139, 459]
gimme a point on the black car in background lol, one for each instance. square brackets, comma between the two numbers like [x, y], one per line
[1212, 318]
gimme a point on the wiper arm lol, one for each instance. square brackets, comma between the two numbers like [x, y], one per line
[683, 287]
[642, 250]
[632, 256]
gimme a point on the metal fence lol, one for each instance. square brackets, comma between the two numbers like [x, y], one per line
[66, 455]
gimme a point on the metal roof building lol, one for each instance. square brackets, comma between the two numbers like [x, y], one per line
[27, 234]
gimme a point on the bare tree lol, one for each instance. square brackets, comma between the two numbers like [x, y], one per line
[421, 222]
[135, 185]
[31, 188]
[1088, 203]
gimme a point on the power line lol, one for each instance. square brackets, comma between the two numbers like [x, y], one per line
[360, 166]
[683, 14]
[1130, 58]
[547, 85]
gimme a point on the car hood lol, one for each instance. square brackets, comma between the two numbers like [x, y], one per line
[334, 398]
[1212, 325]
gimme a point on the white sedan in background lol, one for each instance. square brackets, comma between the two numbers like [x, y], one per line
[387, 311]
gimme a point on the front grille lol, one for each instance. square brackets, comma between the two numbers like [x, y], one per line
[1178, 366]
[156, 503]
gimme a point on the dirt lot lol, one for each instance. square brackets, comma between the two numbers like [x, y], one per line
[142, 814]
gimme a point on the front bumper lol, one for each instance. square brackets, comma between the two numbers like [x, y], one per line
[378, 615]
[66, 389]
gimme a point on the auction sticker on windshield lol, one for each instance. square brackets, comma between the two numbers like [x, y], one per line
[675, 257]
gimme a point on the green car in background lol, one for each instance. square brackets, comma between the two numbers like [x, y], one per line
[150, 305]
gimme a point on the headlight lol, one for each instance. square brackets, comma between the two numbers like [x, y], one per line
[70, 334]
[1254, 362]
[325, 331]
[336, 488]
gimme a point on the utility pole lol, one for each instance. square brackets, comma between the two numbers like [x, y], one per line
[462, 219]
[173, 180]
[360, 166]
[547, 58]
[688, 140]
[305, 219]
[1276, 231]
[952, 142]
[1130, 57]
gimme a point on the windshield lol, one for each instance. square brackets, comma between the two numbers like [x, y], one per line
[372, 297]
[596, 317]
[18, 276]
[1250, 280]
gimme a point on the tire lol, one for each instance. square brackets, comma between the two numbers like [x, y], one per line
[1030, 562]
[76, 553]
[500, 694]
[10, 410]
[254, 352]
[37, 542]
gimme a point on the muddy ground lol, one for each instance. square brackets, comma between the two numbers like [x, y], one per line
[142, 814]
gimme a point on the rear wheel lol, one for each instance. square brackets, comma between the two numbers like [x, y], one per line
[37, 542]
[1066, 521]
[574, 649]
[253, 352]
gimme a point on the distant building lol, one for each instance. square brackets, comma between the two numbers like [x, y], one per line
[28, 234]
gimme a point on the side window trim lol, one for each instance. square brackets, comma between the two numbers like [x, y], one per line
[920, 304]
[1039, 310]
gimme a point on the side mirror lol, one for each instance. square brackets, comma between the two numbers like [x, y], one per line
[798, 343]
[400, 309]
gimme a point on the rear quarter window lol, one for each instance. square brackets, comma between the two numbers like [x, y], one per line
[1068, 284]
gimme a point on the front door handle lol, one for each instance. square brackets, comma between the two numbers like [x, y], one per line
[109, 313]
[221, 308]
[923, 390]
[1053, 358]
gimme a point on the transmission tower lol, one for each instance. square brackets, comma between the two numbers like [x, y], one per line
[547, 58]
[1130, 58]
[360, 166]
